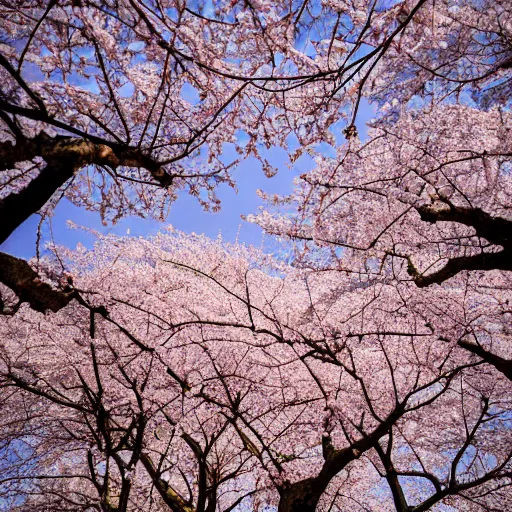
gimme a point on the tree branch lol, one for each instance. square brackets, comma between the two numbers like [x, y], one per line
[171, 498]
[19, 276]
[496, 230]
[64, 157]
[501, 260]
[501, 364]
[392, 478]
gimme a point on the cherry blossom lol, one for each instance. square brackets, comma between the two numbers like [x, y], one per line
[372, 370]
[193, 375]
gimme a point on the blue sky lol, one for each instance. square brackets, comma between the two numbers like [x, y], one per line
[186, 213]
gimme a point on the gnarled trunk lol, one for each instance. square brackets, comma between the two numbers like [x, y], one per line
[302, 496]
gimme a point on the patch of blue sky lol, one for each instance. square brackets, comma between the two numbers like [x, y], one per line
[138, 56]
[361, 52]
[136, 46]
[190, 93]
[384, 5]
[186, 213]
[207, 8]
[127, 90]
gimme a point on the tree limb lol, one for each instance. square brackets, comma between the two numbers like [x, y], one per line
[501, 364]
[496, 230]
[19, 276]
[64, 156]
[501, 260]
[171, 498]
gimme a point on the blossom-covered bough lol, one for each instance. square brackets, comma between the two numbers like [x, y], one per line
[118, 105]
[426, 197]
[373, 372]
[222, 379]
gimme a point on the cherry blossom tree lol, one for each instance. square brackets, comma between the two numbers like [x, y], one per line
[370, 373]
[426, 197]
[210, 377]
[118, 105]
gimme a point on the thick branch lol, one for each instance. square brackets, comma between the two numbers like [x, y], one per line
[171, 498]
[16, 208]
[64, 156]
[125, 155]
[11, 153]
[202, 476]
[304, 495]
[501, 260]
[501, 364]
[392, 479]
[19, 276]
[496, 230]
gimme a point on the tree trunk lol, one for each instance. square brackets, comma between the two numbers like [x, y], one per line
[301, 496]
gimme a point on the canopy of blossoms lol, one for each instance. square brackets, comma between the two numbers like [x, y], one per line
[372, 371]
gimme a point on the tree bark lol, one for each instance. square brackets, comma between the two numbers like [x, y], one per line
[19, 276]
[171, 498]
[64, 157]
[304, 495]
[501, 364]
[497, 230]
